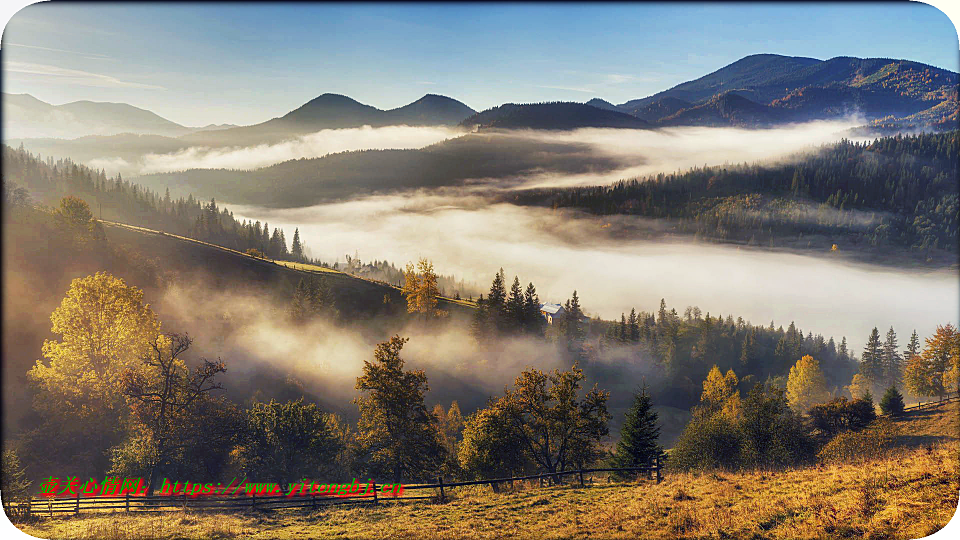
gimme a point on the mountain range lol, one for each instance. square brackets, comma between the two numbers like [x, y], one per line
[25, 116]
[761, 90]
[769, 89]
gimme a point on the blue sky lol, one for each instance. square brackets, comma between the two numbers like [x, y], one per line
[245, 63]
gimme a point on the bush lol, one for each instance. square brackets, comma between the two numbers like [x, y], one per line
[708, 442]
[841, 414]
[858, 445]
[760, 431]
[892, 402]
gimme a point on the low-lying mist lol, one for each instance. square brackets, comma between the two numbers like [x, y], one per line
[673, 149]
[314, 145]
[264, 350]
[562, 250]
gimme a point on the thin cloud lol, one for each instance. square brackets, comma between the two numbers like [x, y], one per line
[84, 54]
[75, 76]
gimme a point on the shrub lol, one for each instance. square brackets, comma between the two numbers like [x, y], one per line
[892, 402]
[841, 414]
[761, 431]
[708, 442]
[254, 252]
[858, 445]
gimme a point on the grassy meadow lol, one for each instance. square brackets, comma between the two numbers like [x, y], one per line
[908, 491]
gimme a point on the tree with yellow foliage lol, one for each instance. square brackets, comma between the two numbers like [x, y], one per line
[105, 329]
[421, 290]
[806, 385]
[934, 371]
[720, 392]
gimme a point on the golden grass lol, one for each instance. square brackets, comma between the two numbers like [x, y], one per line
[908, 493]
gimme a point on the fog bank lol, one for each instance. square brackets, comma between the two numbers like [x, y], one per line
[561, 251]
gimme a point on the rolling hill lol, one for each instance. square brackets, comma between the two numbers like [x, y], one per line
[552, 116]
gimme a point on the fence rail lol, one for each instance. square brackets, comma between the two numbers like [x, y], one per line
[52, 506]
[932, 404]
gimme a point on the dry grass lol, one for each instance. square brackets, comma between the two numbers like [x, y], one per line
[908, 493]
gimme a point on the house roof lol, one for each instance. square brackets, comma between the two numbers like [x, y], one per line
[552, 309]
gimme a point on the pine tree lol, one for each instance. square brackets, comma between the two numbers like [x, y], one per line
[871, 362]
[892, 402]
[892, 362]
[913, 347]
[514, 307]
[633, 329]
[638, 437]
[622, 330]
[572, 323]
[533, 319]
[296, 249]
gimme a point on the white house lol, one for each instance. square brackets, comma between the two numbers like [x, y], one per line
[551, 312]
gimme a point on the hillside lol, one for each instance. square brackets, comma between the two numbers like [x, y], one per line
[25, 116]
[800, 89]
[907, 493]
[554, 116]
[335, 111]
[354, 296]
[448, 163]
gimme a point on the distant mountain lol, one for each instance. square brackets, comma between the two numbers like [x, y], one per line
[25, 116]
[335, 111]
[431, 109]
[603, 104]
[554, 116]
[800, 89]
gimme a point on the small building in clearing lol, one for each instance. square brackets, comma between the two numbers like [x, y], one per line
[551, 312]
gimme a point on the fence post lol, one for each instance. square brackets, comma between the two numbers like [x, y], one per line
[441, 489]
[581, 477]
[184, 499]
[253, 499]
[374, 492]
[128, 501]
[78, 502]
[659, 476]
[313, 501]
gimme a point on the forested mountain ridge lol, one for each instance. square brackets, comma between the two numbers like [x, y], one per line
[893, 192]
[558, 115]
[797, 89]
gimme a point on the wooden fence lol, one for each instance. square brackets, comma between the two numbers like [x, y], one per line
[932, 404]
[52, 506]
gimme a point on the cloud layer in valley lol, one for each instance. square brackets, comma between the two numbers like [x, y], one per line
[317, 144]
[561, 251]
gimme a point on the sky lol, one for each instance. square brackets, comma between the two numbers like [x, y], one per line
[244, 63]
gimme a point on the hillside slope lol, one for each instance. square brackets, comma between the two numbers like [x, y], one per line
[354, 295]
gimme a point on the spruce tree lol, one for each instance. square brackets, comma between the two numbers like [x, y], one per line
[514, 307]
[533, 322]
[296, 249]
[892, 363]
[633, 329]
[892, 402]
[913, 347]
[638, 437]
[871, 362]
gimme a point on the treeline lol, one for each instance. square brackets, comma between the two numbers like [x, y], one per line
[894, 191]
[131, 203]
